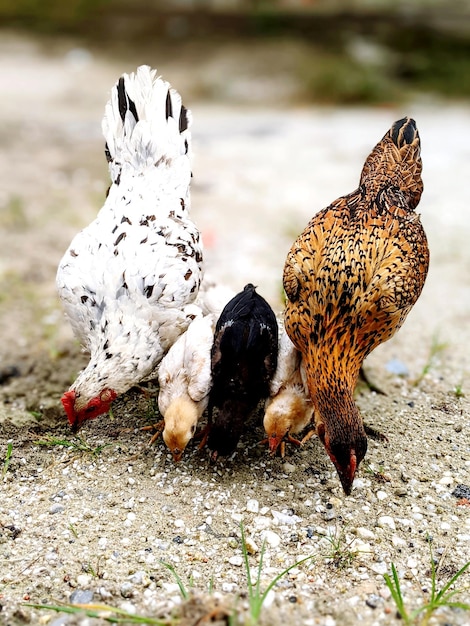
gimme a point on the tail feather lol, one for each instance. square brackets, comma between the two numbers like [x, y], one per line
[396, 160]
[145, 123]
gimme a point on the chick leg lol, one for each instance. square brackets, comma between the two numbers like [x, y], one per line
[158, 428]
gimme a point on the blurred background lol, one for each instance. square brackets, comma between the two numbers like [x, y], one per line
[327, 51]
[288, 98]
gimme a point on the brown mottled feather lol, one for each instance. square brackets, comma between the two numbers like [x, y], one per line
[351, 278]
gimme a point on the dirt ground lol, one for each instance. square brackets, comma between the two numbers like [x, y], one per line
[93, 525]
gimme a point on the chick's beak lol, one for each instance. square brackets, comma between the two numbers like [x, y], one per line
[177, 454]
[273, 442]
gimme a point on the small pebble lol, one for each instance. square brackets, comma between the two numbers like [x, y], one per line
[236, 560]
[395, 366]
[289, 468]
[446, 480]
[365, 533]
[373, 600]
[462, 491]
[379, 568]
[271, 538]
[127, 590]
[81, 596]
[284, 518]
[385, 521]
[252, 506]
[251, 546]
[83, 580]
[56, 508]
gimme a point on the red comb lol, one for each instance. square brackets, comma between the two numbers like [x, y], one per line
[68, 402]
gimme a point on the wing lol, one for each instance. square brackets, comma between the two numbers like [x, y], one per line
[288, 362]
[200, 335]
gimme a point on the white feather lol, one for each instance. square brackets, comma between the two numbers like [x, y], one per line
[185, 371]
[127, 279]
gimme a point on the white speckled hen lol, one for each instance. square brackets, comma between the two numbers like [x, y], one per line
[127, 280]
[243, 361]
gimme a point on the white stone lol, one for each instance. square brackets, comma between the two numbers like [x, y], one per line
[271, 538]
[398, 541]
[289, 468]
[446, 480]
[385, 521]
[252, 505]
[379, 568]
[83, 580]
[361, 546]
[251, 545]
[365, 533]
[381, 495]
[178, 523]
[262, 522]
[283, 518]
[236, 560]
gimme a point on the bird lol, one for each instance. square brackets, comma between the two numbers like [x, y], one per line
[351, 278]
[129, 279]
[243, 362]
[184, 378]
[289, 409]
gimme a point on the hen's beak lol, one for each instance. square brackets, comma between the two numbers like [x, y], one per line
[347, 473]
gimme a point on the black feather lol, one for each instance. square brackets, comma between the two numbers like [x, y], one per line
[124, 102]
[183, 121]
[169, 106]
[243, 362]
[404, 131]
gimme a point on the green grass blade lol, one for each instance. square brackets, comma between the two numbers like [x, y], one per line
[179, 582]
[101, 611]
[456, 576]
[7, 460]
[260, 569]
[282, 574]
[247, 564]
[459, 605]
[395, 590]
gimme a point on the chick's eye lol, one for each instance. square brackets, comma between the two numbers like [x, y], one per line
[193, 429]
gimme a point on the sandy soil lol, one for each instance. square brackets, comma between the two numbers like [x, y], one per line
[94, 525]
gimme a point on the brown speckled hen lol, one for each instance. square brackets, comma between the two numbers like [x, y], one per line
[351, 279]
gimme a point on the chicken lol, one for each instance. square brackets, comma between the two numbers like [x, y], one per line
[128, 280]
[289, 408]
[243, 361]
[184, 377]
[351, 279]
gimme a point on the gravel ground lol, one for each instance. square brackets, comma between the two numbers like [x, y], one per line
[94, 525]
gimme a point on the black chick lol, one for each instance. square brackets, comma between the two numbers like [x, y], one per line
[243, 361]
